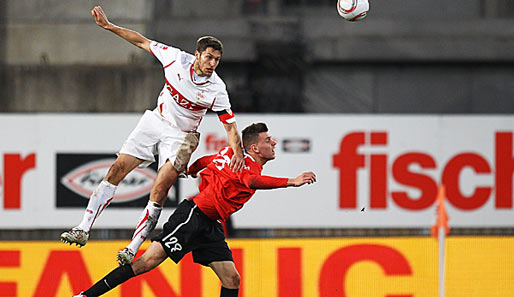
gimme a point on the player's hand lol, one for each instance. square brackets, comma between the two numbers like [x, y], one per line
[100, 17]
[302, 179]
[237, 163]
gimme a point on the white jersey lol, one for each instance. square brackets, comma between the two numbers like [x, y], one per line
[185, 98]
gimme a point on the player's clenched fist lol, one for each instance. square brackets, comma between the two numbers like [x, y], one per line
[302, 179]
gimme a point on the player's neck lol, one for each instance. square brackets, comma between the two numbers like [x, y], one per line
[197, 71]
[258, 159]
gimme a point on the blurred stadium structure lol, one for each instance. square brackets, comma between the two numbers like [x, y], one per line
[281, 56]
[423, 56]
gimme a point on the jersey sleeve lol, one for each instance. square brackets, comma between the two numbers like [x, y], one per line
[164, 53]
[200, 164]
[254, 181]
[222, 101]
[226, 116]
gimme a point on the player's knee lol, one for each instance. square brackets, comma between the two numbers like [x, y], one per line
[231, 280]
[142, 265]
[116, 173]
[236, 279]
[138, 266]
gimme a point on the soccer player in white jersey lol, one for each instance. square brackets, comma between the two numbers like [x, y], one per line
[170, 130]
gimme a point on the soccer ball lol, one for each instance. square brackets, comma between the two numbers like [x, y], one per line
[353, 10]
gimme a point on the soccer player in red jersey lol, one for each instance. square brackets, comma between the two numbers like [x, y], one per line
[195, 227]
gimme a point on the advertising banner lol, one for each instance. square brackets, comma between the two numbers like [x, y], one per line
[336, 267]
[373, 171]
[78, 175]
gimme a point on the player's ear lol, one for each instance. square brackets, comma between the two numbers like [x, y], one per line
[197, 54]
[254, 148]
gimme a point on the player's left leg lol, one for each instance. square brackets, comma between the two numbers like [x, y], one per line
[166, 177]
[101, 198]
[154, 256]
[230, 279]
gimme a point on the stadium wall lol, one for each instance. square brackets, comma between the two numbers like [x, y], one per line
[404, 58]
[320, 88]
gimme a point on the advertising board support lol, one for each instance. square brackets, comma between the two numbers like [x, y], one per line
[441, 238]
[439, 231]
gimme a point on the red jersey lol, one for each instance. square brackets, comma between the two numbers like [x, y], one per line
[223, 192]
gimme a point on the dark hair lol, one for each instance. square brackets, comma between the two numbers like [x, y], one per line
[209, 41]
[251, 134]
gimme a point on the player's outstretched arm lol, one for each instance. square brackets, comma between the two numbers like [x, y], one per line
[302, 179]
[237, 162]
[131, 36]
[263, 182]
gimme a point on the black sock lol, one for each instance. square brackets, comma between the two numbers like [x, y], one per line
[228, 292]
[111, 280]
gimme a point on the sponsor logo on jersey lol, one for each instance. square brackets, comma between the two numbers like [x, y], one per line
[200, 96]
[181, 100]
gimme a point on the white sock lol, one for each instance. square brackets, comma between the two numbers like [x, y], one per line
[98, 201]
[147, 221]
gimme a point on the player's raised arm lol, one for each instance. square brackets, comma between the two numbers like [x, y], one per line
[237, 162]
[129, 35]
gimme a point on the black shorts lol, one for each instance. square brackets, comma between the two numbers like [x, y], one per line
[189, 229]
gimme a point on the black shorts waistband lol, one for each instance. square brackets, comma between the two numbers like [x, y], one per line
[197, 209]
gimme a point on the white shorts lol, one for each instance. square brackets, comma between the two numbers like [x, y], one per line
[154, 134]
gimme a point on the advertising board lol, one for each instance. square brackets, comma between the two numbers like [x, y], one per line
[336, 267]
[373, 171]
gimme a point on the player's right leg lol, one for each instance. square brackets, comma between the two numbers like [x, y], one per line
[101, 198]
[229, 277]
[153, 256]
[148, 219]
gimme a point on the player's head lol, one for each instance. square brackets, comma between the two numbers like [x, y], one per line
[208, 55]
[258, 142]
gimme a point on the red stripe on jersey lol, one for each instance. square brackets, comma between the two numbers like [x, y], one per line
[169, 64]
[226, 117]
[191, 74]
[210, 107]
[181, 100]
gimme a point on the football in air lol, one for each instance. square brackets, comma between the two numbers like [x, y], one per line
[353, 10]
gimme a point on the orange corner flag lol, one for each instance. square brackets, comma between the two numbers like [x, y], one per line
[441, 215]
